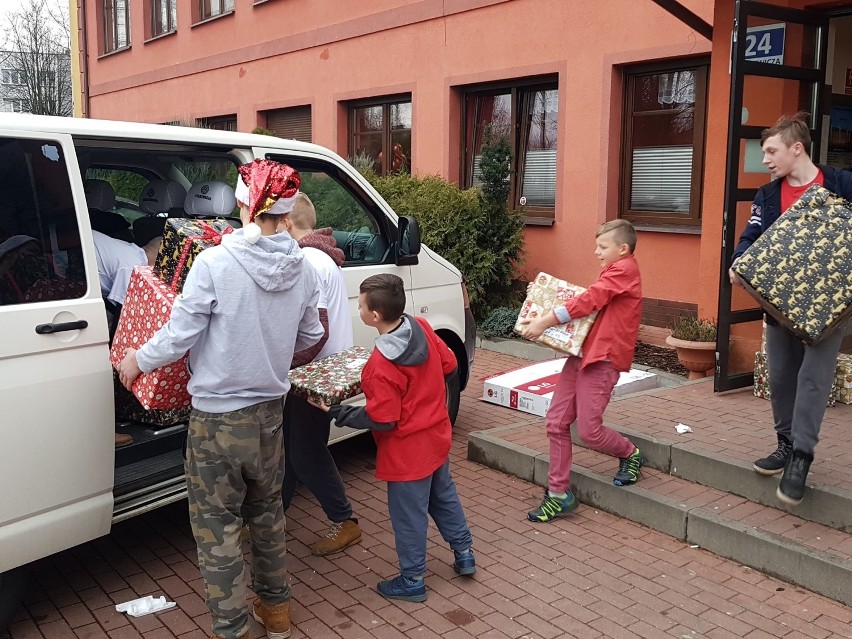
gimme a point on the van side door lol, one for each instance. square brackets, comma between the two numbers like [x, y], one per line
[56, 400]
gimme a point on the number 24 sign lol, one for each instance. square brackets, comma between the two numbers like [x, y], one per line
[766, 43]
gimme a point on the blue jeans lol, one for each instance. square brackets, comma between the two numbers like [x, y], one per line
[411, 502]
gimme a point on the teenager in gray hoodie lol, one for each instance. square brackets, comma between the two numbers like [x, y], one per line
[247, 305]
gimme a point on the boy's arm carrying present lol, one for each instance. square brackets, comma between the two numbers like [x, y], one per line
[383, 407]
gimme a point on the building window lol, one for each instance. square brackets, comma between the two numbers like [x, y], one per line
[526, 114]
[212, 8]
[380, 130]
[12, 77]
[163, 17]
[15, 106]
[116, 25]
[663, 145]
[220, 122]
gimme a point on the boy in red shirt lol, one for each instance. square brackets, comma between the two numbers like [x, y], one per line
[404, 383]
[585, 385]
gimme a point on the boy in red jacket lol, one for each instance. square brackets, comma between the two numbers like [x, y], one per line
[585, 385]
[404, 382]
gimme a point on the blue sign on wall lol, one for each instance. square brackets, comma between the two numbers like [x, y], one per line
[766, 43]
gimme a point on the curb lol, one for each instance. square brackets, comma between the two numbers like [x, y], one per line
[782, 558]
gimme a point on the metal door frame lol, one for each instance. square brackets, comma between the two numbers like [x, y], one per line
[737, 132]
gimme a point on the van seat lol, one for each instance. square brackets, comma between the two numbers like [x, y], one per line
[162, 197]
[100, 198]
[210, 199]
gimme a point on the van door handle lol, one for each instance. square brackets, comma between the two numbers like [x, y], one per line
[47, 329]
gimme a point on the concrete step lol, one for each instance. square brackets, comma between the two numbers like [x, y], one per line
[782, 544]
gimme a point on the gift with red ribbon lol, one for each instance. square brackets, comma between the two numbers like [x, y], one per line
[146, 309]
[183, 240]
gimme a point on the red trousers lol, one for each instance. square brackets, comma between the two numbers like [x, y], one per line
[582, 394]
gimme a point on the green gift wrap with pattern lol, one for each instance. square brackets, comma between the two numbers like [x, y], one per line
[800, 269]
[183, 240]
[331, 379]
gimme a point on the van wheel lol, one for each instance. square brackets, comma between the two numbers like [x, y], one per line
[13, 587]
[453, 395]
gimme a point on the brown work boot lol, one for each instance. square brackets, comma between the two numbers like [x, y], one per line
[339, 537]
[275, 618]
[122, 440]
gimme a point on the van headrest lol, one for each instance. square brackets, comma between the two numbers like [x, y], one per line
[161, 195]
[210, 199]
[99, 194]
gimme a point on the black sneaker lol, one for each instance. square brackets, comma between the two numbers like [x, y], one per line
[553, 507]
[629, 468]
[774, 463]
[791, 490]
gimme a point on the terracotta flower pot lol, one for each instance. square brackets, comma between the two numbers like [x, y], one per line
[697, 357]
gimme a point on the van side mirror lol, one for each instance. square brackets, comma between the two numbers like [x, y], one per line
[408, 241]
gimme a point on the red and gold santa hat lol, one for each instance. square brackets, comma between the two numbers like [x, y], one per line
[266, 187]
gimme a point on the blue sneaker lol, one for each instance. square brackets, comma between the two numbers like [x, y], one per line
[629, 469]
[553, 507]
[403, 588]
[465, 563]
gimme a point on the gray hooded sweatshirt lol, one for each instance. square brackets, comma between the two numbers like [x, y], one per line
[244, 310]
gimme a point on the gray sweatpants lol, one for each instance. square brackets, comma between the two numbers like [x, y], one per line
[800, 379]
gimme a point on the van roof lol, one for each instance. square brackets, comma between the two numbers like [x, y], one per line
[115, 129]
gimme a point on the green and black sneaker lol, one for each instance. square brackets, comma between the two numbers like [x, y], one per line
[553, 507]
[629, 469]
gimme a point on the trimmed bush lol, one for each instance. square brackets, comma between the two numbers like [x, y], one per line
[500, 323]
[482, 244]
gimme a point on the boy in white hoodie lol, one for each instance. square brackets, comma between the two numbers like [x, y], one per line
[247, 305]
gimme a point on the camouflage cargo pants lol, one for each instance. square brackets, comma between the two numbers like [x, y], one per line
[233, 466]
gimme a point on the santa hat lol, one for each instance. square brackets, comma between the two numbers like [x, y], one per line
[266, 188]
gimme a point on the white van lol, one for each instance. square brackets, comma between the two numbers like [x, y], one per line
[64, 482]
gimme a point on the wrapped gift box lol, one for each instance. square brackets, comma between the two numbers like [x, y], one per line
[331, 379]
[800, 268]
[761, 380]
[127, 407]
[761, 376]
[545, 293]
[529, 389]
[183, 240]
[146, 309]
[843, 379]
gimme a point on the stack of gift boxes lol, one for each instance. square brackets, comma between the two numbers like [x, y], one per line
[800, 272]
[160, 397]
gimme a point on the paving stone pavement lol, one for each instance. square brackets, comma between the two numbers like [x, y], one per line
[589, 575]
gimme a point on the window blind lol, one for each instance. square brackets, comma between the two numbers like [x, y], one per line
[661, 179]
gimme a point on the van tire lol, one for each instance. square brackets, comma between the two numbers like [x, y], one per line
[453, 386]
[13, 587]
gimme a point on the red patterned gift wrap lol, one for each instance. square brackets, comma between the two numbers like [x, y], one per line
[331, 379]
[146, 309]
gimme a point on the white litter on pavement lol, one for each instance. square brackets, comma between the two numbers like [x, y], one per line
[683, 428]
[145, 606]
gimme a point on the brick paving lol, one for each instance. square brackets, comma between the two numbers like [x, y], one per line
[589, 575]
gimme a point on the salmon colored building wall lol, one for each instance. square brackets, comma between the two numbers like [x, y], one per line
[279, 53]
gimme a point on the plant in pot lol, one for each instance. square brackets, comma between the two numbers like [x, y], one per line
[695, 342]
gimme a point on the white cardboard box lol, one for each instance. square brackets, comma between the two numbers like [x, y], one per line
[529, 389]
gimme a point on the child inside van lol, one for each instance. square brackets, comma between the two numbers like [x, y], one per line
[585, 385]
[404, 383]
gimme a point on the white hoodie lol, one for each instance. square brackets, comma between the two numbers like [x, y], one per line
[244, 310]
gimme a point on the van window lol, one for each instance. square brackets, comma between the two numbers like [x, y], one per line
[40, 252]
[128, 187]
[341, 206]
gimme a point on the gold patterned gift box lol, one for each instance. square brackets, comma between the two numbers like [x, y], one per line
[800, 268]
[183, 240]
[545, 293]
[331, 379]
